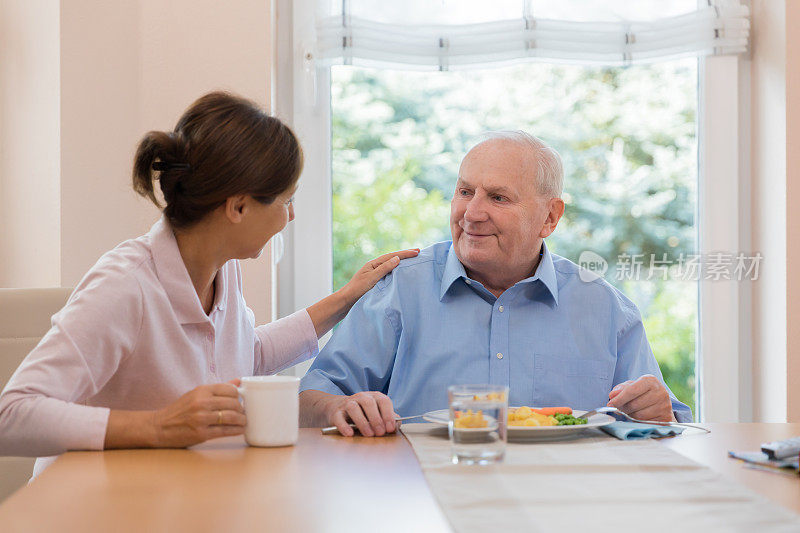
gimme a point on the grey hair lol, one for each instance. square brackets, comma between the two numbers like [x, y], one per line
[550, 175]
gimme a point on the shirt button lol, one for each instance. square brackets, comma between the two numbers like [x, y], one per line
[500, 308]
[468, 281]
[213, 367]
[499, 355]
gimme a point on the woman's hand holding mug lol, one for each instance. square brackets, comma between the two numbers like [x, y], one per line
[206, 412]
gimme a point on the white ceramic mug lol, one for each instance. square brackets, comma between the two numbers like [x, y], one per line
[271, 405]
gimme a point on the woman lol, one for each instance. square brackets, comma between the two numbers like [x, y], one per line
[163, 314]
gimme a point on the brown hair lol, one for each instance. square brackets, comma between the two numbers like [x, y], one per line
[223, 145]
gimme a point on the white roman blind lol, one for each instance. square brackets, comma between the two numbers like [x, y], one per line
[453, 34]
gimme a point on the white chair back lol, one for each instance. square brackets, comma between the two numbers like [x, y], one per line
[24, 319]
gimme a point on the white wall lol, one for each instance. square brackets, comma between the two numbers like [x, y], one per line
[126, 67]
[775, 189]
[101, 108]
[768, 204]
[792, 222]
[29, 143]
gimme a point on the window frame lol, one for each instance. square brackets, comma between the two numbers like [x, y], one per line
[723, 220]
[304, 273]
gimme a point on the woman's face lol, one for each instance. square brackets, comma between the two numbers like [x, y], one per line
[265, 220]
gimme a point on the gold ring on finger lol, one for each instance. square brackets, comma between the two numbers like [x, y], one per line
[219, 418]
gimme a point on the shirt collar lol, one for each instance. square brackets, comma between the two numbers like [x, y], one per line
[174, 277]
[453, 270]
[545, 272]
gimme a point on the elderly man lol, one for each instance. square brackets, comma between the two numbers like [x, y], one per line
[492, 306]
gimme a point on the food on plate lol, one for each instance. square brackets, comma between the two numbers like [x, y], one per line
[549, 416]
[470, 420]
[491, 397]
[569, 420]
[522, 413]
[534, 420]
[554, 410]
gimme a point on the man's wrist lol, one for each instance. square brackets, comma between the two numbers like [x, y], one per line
[314, 408]
[325, 407]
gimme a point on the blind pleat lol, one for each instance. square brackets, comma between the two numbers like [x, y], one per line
[713, 30]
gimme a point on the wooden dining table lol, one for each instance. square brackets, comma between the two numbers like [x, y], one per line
[323, 483]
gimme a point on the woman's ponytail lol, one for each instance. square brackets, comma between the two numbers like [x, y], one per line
[159, 157]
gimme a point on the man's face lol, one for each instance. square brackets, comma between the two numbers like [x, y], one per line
[497, 218]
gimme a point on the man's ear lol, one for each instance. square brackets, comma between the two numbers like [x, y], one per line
[235, 208]
[555, 210]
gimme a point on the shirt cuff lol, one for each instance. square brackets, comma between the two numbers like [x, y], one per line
[40, 426]
[309, 333]
[314, 381]
[90, 425]
[683, 416]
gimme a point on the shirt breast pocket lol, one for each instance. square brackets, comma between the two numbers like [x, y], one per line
[571, 381]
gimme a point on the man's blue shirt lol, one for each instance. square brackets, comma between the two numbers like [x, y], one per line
[552, 338]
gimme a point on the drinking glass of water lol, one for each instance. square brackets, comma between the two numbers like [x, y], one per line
[478, 421]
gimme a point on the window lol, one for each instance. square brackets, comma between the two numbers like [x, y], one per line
[628, 136]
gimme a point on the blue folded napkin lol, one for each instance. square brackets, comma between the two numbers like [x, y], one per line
[760, 458]
[634, 430]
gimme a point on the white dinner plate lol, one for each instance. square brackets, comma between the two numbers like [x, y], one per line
[441, 417]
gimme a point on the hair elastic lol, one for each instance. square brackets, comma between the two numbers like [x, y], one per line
[162, 166]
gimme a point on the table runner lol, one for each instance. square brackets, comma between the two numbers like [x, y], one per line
[622, 486]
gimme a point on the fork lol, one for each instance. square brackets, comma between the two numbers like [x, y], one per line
[333, 430]
[614, 410]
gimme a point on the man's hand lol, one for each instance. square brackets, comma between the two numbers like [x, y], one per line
[645, 399]
[372, 412]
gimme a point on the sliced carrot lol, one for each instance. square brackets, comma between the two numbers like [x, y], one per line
[553, 411]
